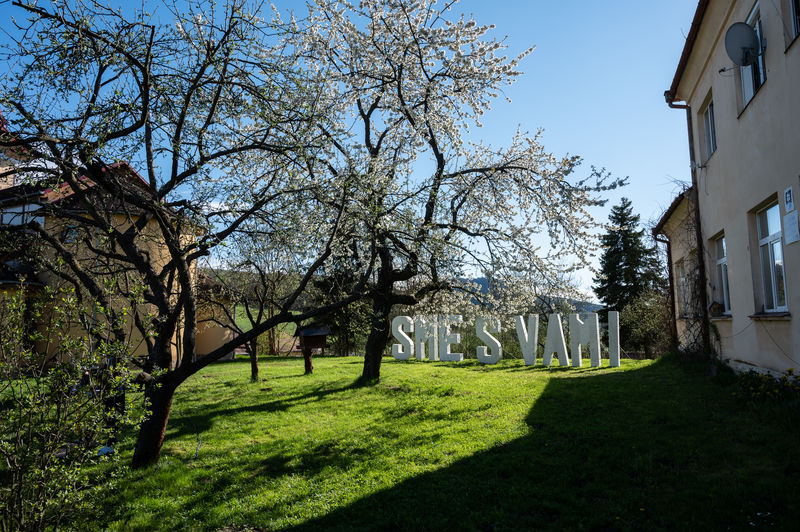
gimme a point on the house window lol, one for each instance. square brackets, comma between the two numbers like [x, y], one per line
[709, 129]
[770, 252]
[70, 234]
[21, 215]
[753, 76]
[723, 293]
[795, 7]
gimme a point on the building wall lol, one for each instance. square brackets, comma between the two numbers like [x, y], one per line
[6, 180]
[756, 160]
[679, 229]
[210, 335]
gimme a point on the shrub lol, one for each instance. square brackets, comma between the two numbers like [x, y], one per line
[62, 402]
[645, 323]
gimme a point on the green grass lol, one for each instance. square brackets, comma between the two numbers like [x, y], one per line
[243, 322]
[436, 446]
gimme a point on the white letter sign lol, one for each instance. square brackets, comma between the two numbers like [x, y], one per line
[613, 338]
[446, 338]
[425, 332]
[434, 333]
[405, 349]
[580, 334]
[528, 338]
[481, 326]
[555, 343]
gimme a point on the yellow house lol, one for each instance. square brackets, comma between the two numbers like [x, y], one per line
[21, 203]
[734, 237]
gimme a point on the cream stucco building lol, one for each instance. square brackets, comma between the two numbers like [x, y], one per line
[23, 202]
[733, 236]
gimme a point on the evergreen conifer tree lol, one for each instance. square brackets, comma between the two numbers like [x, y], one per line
[628, 267]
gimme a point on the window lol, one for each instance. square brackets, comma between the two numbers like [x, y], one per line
[20, 215]
[753, 76]
[770, 252]
[795, 8]
[70, 234]
[709, 129]
[723, 293]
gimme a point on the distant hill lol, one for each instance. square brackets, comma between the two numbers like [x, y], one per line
[580, 306]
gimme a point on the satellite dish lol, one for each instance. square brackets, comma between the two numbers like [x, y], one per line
[741, 43]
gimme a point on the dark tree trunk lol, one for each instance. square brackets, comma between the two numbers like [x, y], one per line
[253, 349]
[377, 339]
[379, 325]
[272, 342]
[151, 433]
[309, 365]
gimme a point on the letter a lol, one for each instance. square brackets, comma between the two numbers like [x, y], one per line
[555, 343]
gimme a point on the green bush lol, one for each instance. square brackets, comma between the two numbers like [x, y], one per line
[645, 324]
[59, 413]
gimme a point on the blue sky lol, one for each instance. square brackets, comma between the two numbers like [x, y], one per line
[595, 83]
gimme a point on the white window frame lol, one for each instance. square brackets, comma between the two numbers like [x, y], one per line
[755, 75]
[709, 129]
[767, 245]
[21, 214]
[724, 297]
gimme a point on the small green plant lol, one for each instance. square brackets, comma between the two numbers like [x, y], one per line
[758, 387]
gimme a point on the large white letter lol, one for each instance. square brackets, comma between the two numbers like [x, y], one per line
[405, 349]
[481, 326]
[425, 332]
[613, 338]
[528, 338]
[555, 343]
[582, 333]
[446, 338]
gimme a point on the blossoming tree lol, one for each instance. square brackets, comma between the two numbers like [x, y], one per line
[167, 140]
[407, 82]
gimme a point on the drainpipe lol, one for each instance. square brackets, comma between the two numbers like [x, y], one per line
[673, 324]
[701, 261]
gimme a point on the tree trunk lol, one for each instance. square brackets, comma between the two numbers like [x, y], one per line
[151, 433]
[253, 349]
[309, 365]
[377, 339]
[272, 342]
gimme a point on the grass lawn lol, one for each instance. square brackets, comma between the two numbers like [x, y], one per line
[243, 322]
[435, 446]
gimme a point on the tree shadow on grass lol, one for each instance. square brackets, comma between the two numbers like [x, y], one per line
[655, 448]
[204, 419]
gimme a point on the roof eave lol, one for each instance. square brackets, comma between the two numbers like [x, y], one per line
[671, 94]
[659, 227]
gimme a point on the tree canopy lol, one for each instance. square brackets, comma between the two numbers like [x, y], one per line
[169, 140]
[405, 83]
[628, 267]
